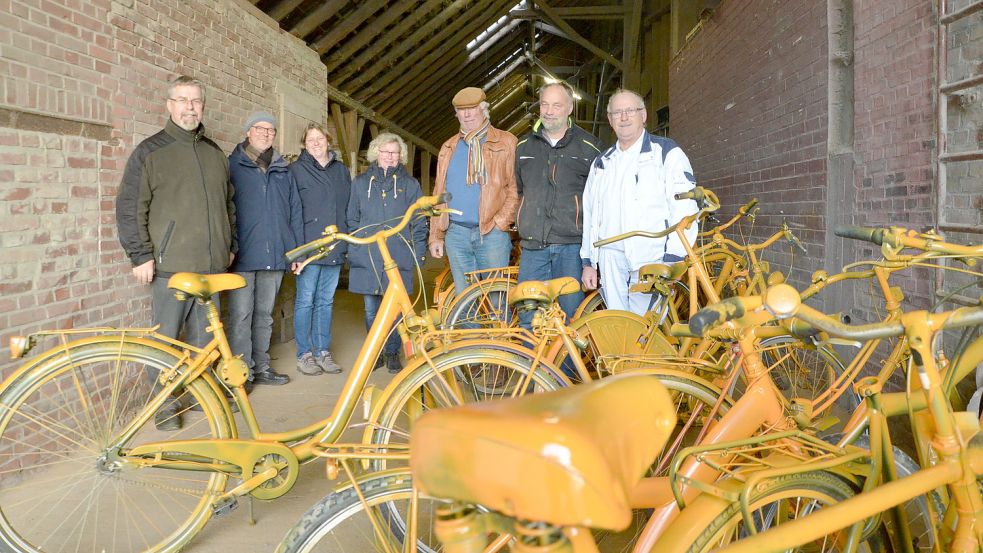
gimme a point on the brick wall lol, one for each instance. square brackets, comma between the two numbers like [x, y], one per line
[81, 83]
[748, 102]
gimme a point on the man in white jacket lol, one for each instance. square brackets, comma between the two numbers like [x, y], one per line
[631, 187]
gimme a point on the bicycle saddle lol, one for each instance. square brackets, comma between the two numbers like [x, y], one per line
[652, 275]
[205, 286]
[543, 291]
[568, 457]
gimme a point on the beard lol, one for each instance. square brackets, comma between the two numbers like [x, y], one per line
[188, 121]
[554, 125]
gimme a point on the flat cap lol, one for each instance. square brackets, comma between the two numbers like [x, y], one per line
[468, 97]
[259, 117]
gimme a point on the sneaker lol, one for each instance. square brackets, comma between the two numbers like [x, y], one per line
[270, 377]
[306, 364]
[168, 418]
[327, 363]
[392, 362]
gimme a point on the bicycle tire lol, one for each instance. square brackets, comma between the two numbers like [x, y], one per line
[482, 371]
[802, 370]
[592, 303]
[484, 304]
[779, 499]
[64, 407]
[339, 521]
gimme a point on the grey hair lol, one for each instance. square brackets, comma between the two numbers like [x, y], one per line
[184, 80]
[641, 101]
[559, 84]
[387, 138]
[483, 106]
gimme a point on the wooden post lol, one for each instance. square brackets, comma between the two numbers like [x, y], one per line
[425, 171]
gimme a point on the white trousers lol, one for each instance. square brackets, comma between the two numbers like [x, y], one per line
[616, 277]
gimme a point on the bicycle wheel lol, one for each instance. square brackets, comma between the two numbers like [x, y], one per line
[803, 370]
[467, 373]
[612, 333]
[781, 500]
[341, 522]
[593, 302]
[64, 488]
[484, 304]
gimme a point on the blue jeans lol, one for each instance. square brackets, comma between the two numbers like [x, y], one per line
[553, 261]
[314, 308]
[372, 303]
[467, 250]
[251, 318]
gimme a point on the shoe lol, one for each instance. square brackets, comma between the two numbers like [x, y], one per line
[379, 362]
[327, 363]
[306, 364]
[270, 377]
[168, 418]
[392, 362]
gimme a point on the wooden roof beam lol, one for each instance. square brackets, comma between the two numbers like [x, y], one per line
[555, 19]
[396, 48]
[376, 27]
[348, 24]
[448, 39]
[282, 9]
[315, 17]
[368, 113]
[631, 55]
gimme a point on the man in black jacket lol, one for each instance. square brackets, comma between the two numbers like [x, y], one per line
[174, 213]
[552, 164]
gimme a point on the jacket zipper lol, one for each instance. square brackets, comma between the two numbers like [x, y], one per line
[164, 241]
[576, 216]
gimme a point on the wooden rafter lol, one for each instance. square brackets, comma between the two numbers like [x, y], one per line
[283, 9]
[393, 52]
[632, 34]
[441, 84]
[317, 16]
[555, 19]
[342, 98]
[449, 72]
[447, 39]
[351, 21]
[375, 28]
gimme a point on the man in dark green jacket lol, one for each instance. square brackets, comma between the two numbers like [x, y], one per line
[551, 167]
[174, 212]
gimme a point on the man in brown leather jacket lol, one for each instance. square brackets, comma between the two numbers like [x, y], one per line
[477, 166]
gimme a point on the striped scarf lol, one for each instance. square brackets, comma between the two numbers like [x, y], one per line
[476, 164]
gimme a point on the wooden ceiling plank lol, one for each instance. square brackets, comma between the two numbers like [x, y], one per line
[282, 9]
[339, 125]
[365, 10]
[316, 17]
[340, 97]
[375, 28]
[435, 47]
[555, 19]
[463, 72]
[444, 82]
[404, 44]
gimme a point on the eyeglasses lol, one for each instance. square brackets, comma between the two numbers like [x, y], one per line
[196, 102]
[389, 152]
[263, 130]
[622, 112]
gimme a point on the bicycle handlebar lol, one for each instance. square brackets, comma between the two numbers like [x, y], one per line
[892, 240]
[703, 197]
[425, 204]
[874, 235]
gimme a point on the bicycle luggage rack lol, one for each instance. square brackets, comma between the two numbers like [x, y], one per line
[21, 345]
[754, 459]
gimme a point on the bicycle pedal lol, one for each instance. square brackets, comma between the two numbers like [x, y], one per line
[225, 506]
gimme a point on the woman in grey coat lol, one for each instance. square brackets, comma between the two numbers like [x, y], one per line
[380, 197]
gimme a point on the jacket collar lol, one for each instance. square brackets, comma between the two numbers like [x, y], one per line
[375, 171]
[646, 139]
[182, 135]
[307, 158]
[540, 131]
[241, 158]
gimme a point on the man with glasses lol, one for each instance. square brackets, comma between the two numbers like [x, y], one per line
[269, 222]
[631, 187]
[174, 213]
